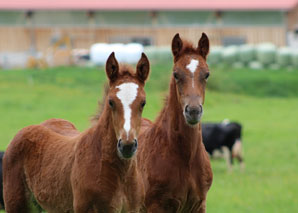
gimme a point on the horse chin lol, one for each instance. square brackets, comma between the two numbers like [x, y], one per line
[192, 122]
[126, 156]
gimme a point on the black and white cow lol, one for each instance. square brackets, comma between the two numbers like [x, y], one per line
[223, 140]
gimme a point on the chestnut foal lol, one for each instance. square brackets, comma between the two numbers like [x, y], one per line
[172, 158]
[92, 171]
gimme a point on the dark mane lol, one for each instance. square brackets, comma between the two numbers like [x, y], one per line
[101, 103]
[125, 70]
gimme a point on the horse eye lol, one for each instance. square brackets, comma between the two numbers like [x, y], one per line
[143, 104]
[176, 76]
[207, 75]
[111, 103]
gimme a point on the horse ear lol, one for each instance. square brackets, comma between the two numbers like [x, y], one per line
[176, 45]
[143, 68]
[112, 67]
[203, 46]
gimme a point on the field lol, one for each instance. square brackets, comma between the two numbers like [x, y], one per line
[264, 101]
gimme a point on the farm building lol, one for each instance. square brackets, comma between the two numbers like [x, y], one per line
[33, 25]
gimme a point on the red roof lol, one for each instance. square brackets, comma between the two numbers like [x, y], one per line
[147, 4]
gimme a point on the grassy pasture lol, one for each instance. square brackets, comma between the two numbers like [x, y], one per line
[265, 102]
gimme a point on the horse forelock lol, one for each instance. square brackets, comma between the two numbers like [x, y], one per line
[187, 49]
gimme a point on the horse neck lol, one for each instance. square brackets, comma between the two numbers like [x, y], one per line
[184, 139]
[105, 141]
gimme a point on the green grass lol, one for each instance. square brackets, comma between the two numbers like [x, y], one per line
[265, 102]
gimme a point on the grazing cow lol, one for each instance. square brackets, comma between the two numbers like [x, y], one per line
[223, 140]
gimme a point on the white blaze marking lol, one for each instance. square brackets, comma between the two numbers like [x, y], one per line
[192, 66]
[127, 94]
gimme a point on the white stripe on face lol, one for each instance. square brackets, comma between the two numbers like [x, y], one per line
[192, 66]
[127, 94]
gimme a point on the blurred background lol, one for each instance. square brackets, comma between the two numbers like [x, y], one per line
[51, 65]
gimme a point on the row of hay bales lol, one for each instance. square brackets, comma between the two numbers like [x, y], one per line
[260, 56]
[255, 56]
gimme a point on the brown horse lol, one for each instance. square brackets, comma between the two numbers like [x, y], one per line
[92, 171]
[172, 158]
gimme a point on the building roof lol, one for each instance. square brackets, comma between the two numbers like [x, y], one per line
[148, 4]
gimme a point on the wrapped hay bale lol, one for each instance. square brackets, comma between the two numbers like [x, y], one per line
[215, 55]
[229, 55]
[294, 58]
[99, 53]
[133, 52]
[266, 53]
[247, 53]
[129, 53]
[283, 57]
[119, 50]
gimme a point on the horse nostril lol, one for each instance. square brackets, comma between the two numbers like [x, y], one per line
[119, 143]
[186, 108]
[135, 144]
[200, 109]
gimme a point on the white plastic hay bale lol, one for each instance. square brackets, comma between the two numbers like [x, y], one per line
[229, 54]
[283, 57]
[133, 52]
[130, 53]
[215, 55]
[266, 53]
[9, 60]
[119, 50]
[247, 53]
[294, 57]
[99, 53]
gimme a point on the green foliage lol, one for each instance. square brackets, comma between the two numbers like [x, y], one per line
[264, 101]
[260, 83]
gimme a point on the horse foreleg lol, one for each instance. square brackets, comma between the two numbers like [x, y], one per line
[202, 207]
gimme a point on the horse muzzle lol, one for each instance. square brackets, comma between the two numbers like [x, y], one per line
[127, 149]
[193, 114]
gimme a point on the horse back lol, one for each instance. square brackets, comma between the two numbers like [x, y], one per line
[61, 126]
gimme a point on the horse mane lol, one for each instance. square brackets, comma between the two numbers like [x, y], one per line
[101, 103]
[124, 70]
